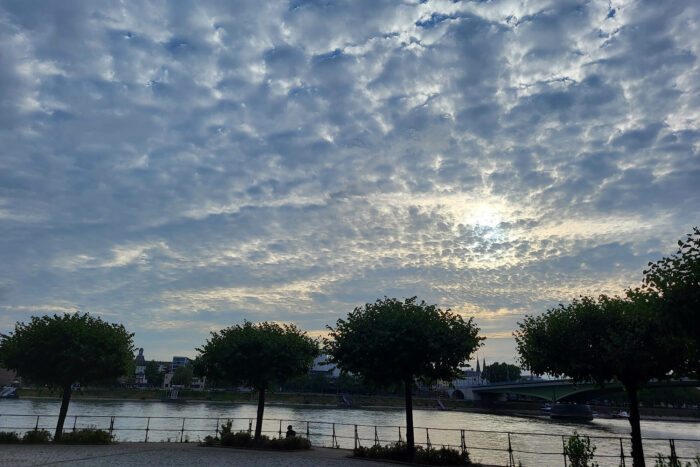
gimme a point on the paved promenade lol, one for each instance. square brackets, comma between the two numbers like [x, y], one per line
[169, 454]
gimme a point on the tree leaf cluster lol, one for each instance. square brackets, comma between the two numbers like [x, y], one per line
[391, 341]
[256, 355]
[676, 281]
[154, 377]
[499, 372]
[183, 376]
[63, 349]
[600, 340]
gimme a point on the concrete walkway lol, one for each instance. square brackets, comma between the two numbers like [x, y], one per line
[169, 454]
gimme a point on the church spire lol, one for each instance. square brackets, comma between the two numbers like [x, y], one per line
[478, 368]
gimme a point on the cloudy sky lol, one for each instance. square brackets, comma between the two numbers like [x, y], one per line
[180, 168]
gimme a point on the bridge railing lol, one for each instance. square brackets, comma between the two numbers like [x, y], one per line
[509, 448]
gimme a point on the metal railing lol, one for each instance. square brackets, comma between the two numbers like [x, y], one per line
[493, 447]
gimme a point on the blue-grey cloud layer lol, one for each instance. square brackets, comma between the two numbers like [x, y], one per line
[181, 167]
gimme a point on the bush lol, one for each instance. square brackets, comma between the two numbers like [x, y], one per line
[243, 439]
[580, 451]
[86, 436]
[427, 456]
[36, 437]
[292, 443]
[9, 437]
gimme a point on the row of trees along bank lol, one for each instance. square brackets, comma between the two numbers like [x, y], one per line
[389, 342]
[386, 342]
[649, 333]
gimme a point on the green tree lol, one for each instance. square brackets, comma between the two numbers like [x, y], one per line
[601, 340]
[183, 376]
[257, 355]
[64, 349]
[154, 377]
[395, 342]
[675, 281]
[499, 372]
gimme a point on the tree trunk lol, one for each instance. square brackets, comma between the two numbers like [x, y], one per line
[637, 450]
[62, 414]
[410, 445]
[261, 409]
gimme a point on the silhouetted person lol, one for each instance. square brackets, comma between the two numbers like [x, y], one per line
[290, 433]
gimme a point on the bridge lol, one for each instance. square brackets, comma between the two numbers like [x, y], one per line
[556, 389]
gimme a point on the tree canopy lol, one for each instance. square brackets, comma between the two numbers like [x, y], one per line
[60, 350]
[154, 377]
[498, 372]
[675, 280]
[395, 342]
[182, 376]
[256, 355]
[601, 340]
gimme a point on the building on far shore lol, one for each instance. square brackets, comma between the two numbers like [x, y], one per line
[177, 362]
[321, 367]
[140, 371]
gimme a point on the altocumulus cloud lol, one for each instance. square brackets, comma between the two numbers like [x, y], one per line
[180, 167]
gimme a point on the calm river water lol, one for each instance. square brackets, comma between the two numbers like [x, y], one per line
[536, 441]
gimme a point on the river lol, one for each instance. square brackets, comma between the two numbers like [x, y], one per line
[486, 435]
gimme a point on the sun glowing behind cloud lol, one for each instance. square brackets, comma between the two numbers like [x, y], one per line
[484, 214]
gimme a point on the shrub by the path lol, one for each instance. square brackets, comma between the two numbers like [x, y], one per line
[9, 437]
[37, 437]
[426, 456]
[87, 436]
[243, 439]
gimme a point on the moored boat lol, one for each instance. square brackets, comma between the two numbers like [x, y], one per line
[8, 392]
[571, 412]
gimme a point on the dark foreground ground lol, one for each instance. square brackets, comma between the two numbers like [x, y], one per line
[170, 454]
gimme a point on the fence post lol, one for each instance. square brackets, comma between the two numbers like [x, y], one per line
[216, 433]
[376, 437]
[400, 439]
[36, 427]
[250, 426]
[357, 439]
[182, 431]
[148, 424]
[280, 432]
[427, 438]
[622, 454]
[334, 440]
[563, 449]
[75, 422]
[463, 442]
[111, 426]
[307, 429]
[674, 457]
[511, 460]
